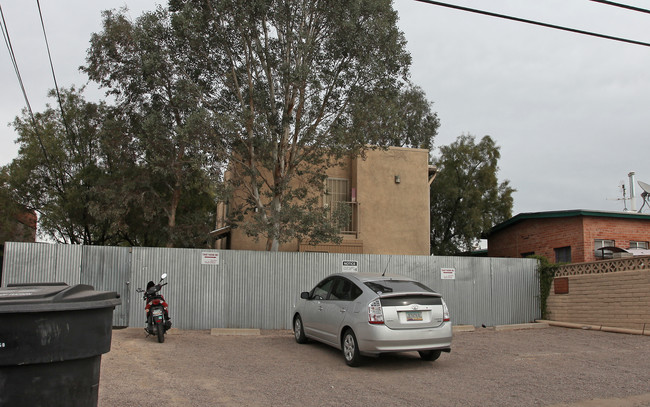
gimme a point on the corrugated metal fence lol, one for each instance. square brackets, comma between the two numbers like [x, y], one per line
[243, 289]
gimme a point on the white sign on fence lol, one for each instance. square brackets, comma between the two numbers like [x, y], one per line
[210, 258]
[350, 265]
[448, 273]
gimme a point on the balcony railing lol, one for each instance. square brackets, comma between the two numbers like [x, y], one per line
[351, 225]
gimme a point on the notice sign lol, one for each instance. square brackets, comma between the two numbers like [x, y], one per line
[350, 265]
[448, 273]
[210, 258]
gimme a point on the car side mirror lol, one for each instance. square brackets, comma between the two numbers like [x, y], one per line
[304, 295]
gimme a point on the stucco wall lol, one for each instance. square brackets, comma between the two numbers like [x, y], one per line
[620, 299]
[393, 217]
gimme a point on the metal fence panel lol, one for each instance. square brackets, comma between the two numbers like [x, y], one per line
[258, 289]
[109, 269]
[40, 262]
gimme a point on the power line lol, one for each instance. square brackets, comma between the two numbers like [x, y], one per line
[611, 3]
[522, 20]
[56, 85]
[12, 56]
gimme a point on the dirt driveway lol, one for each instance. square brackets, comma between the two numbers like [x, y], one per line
[537, 367]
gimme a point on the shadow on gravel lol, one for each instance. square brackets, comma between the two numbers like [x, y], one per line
[384, 362]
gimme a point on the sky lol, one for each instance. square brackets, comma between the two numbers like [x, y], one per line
[571, 113]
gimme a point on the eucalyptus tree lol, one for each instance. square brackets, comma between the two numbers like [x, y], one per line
[294, 85]
[144, 67]
[59, 167]
[466, 197]
[79, 169]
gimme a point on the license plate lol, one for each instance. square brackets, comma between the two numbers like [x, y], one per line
[414, 315]
[157, 312]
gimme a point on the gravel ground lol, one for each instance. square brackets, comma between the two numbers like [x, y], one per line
[537, 367]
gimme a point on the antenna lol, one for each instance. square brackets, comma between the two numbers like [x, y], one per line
[645, 195]
[391, 258]
[621, 187]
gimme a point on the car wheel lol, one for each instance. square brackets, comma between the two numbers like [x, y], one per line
[351, 349]
[429, 355]
[298, 330]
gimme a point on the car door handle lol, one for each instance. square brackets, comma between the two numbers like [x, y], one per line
[342, 310]
[320, 308]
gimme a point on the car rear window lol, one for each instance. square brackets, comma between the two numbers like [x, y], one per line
[398, 286]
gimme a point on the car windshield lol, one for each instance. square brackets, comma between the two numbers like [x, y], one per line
[389, 286]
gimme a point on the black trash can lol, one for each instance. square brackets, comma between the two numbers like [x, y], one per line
[52, 336]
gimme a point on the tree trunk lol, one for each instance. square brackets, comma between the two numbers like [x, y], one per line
[176, 198]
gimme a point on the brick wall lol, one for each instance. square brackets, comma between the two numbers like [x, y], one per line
[620, 299]
[541, 236]
[621, 231]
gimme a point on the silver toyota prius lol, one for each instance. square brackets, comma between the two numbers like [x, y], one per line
[367, 314]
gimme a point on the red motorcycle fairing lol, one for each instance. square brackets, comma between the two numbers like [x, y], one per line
[156, 302]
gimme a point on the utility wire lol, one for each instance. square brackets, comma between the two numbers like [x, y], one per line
[522, 20]
[56, 85]
[611, 3]
[12, 56]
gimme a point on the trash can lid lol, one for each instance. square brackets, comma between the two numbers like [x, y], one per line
[43, 297]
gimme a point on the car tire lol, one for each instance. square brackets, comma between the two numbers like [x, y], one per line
[299, 330]
[350, 348]
[429, 355]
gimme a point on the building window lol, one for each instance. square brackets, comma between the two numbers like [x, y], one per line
[337, 202]
[336, 190]
[599, 244]
[638, 245]
[563, 254]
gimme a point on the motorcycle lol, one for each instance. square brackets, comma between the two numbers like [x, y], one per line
[158, 321]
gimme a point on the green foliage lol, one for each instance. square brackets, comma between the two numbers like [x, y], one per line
[145, 65]
[401, 118]
[546, 272]
[88, 179]
[466, 197]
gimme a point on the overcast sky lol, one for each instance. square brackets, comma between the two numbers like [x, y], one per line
[571, 113]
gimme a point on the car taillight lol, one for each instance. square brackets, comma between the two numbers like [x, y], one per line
[375, 313]
[445, 311]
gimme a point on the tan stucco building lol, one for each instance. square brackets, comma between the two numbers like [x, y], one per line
[388, 194]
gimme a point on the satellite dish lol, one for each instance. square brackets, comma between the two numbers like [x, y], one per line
[644, 186]
[645, 194]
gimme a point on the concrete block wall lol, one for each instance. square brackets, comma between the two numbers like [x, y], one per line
[620, 299]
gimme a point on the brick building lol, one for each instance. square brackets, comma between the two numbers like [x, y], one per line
[572, 236]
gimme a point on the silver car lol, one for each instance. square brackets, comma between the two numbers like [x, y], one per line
[367, 314]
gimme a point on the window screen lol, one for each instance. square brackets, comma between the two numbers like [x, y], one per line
[603, 254]
[336, 190]
[563, 254]
[638, 245]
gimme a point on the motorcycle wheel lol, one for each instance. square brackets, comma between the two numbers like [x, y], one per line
[161, 331]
